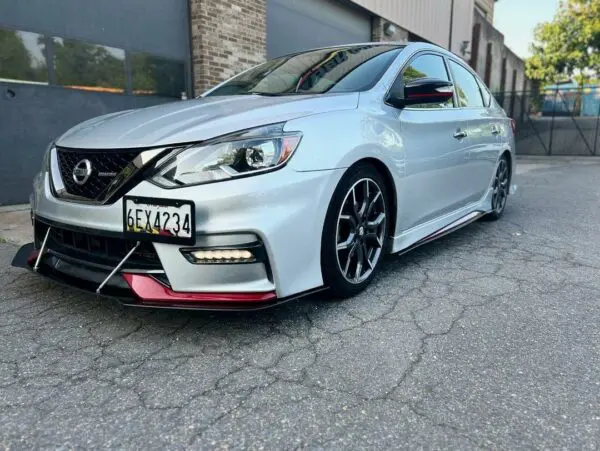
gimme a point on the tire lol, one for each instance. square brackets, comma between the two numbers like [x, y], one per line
[355, 231]
[501, 187]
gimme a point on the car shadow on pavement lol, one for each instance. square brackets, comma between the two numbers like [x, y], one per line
[71, 302]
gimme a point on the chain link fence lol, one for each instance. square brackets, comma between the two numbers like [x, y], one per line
[555, 121]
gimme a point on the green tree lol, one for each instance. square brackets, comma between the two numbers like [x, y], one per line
[81, 64]
[157, 76]
[568, 47]
[16, 62]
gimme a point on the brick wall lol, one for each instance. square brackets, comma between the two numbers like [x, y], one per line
[228, 36]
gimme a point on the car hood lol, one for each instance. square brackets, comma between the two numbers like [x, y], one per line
[197, 120]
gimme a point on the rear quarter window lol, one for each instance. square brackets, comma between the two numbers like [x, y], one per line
[466, 86]
[485, 93]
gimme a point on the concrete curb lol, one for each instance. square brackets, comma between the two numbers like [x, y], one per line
[19, 207]
[556, 159]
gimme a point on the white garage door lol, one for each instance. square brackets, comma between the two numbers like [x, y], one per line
[296, 25]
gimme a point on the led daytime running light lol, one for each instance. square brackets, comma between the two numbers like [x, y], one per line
[223, 256]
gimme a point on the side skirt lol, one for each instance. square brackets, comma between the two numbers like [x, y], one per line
[458, 224]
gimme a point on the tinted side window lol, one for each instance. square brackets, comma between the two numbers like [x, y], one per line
[487, 96]
[467, 89]
[361, 78]
[427, 66]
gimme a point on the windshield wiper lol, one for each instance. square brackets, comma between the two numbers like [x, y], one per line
[267, 94]
[276, 94]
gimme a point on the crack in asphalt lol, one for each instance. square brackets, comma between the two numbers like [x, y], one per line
[447, 347]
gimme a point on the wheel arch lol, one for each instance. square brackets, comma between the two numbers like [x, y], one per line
[390, 186]
[509, 157]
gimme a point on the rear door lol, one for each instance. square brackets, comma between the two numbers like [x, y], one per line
[434, 139]
[482, 147]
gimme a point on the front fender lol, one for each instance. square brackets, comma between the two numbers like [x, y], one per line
[340, 139]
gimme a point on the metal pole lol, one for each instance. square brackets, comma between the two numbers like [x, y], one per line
[114, 271]
[552, 122]
[451, 25]
[597, 121]
[523, 103]
[42, 249]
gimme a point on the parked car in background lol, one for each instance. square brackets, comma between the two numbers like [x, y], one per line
[298, 174]
[571, 99]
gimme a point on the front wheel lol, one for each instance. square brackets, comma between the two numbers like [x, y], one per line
[355, 231]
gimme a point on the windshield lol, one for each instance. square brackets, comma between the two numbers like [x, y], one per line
[340, 69]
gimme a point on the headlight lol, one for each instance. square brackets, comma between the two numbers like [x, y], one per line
[241, 154]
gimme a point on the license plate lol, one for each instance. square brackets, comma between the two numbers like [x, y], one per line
[160, 220]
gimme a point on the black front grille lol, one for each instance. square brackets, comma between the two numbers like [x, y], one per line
[105, 165]
[97, 249]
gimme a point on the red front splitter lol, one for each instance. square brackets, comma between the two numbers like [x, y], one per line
[148, 289]
[33, 257]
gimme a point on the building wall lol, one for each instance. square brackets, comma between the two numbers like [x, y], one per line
[231, 35]
[296, 25]
[52, 110]
[106, 22]
[90, 58]
[462, 28]
[514, 63]
[495, 67]
[488, 7]
[428, 19]
[378, 31]
[228, 36]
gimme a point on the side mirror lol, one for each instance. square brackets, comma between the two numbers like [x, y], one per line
[420, 91]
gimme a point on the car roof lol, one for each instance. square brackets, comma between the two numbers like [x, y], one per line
[344, 46]
[409, 45]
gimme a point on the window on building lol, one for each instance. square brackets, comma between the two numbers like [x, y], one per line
[152, 75]
[22, 57]
[87, 66]
[427, 66]
[467, 89]
[92, 67]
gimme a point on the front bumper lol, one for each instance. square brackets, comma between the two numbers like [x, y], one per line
[283, 210]
[137, 289]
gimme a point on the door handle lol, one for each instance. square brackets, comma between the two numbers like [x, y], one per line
[495, 130]
[460, 134]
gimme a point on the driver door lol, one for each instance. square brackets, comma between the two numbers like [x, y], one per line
[434, 140]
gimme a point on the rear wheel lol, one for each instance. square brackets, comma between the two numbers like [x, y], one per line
[501, 188]
[355, 231]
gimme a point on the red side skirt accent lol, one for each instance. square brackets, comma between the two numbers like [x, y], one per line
[149, 289]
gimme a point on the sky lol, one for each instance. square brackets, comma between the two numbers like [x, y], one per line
[516, 19]
[30, 40]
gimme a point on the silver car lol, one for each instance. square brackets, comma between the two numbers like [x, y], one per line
[296, 175]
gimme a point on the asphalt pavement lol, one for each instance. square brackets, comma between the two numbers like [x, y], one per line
[489, 337]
